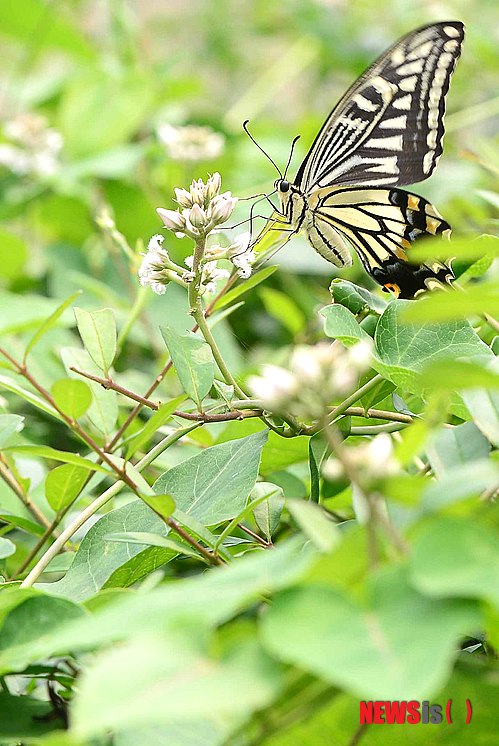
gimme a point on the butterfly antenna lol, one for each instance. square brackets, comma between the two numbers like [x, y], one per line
[245, 128]
[291, 155]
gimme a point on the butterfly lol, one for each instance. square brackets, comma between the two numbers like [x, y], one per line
[385, 132]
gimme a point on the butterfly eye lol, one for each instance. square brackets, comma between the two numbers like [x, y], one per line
[284, 186]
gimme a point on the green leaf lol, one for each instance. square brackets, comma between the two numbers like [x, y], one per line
[193, 362]
[456, 557]
[467, 480]
[9, 424]
[355, 298]
[65, 456]
[24, 717]
[267, 514]
[21, 312]
[459, 248]
[341, 324]
[13, 254]
[477, 269]
[7, 548]
[484, 408]
[50, 322]
[275, 457]
[63, 484]
[103, 411]
[214, 485]
[206, 600]
[283, 308]
[403, 350]
[33, 399]
[252, 282]
[163, 505]
[113, 105]
[455, 304]
[21, 522]
[29, 615]
[98, 333]
[98, 557]
[153, 424]
[454, 446]
[313, 521]
[400, 644]
[377, 394]
[72, 397]
[317, 449]
[456, 375]
[154, 540]
[23, 21]
[148, 682]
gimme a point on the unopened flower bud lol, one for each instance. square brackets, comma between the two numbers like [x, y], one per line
[172, 219]
[197, 216]
[197, 195]
[183, 197]
[222, 208]
[276, 386]
[213, 185]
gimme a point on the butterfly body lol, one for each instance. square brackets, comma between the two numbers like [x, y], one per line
[386, 132]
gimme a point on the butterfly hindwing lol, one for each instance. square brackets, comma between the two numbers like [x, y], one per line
[388, 127]
[381, 224]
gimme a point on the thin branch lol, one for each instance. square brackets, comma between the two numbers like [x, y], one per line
[254, 536]
[10, 479]
[109, 384]
[341, 408]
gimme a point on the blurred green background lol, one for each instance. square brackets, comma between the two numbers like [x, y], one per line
[90, 91]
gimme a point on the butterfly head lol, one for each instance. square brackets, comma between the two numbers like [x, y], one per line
[290, 198]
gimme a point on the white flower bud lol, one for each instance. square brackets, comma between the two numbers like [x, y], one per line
[197, 216]
[276, 386]
[222, 208]
[172, 219]
[213, 185]
[197, 195]
[183, 197]
[379, 456]
[306, 365]
[333, 469]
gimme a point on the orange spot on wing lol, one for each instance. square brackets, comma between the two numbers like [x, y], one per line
[393, 287]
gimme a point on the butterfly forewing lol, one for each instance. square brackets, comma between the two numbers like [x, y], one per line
[388, 128]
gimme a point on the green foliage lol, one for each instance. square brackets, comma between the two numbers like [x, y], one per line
[193, 362]
[184, 561]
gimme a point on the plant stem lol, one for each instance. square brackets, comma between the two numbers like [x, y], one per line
[10, 479]
[391, 427]
[341, 408]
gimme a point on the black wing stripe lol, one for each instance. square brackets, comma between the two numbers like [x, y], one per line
[388, 128]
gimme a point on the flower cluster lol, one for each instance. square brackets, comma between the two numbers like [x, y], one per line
[191, 142]
[37, 146]
[316, 375]
[156, 270]
[202, 208]
[370, 460]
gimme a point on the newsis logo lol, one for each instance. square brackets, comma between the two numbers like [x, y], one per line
[412, 712]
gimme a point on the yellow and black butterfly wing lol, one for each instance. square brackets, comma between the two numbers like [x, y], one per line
[388, 128]
[381, 224]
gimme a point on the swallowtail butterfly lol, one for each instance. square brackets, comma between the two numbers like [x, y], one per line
[385, 132]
